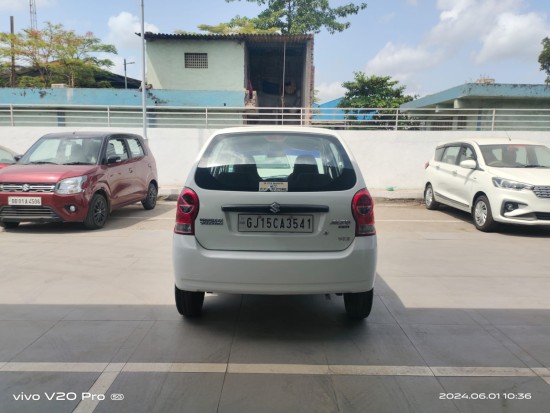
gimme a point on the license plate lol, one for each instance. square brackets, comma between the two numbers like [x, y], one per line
[275, 223]
[24, 200]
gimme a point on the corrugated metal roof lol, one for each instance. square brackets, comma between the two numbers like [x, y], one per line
[256, 38]
[480, 91]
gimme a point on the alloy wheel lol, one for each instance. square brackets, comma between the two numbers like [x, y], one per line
[429, 195]
[480, 213]
[100, 211]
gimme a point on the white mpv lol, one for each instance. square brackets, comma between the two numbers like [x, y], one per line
[275, 210]
[496, 180]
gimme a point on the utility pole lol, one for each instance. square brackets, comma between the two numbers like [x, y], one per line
[143, 80]
[34, 25]
[125, 77]
[12, 31]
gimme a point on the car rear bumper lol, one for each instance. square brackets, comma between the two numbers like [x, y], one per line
[257, 272]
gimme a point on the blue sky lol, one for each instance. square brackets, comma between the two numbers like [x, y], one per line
[428, 45]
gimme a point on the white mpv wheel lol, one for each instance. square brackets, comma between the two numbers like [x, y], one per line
[482, 214]
[429, 198]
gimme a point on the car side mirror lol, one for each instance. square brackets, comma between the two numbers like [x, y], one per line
[469, 164]
[113, 159]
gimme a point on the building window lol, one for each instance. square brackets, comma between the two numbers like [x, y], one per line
[196, 60]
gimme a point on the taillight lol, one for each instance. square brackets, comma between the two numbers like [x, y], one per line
[362, 208]
[186, 212]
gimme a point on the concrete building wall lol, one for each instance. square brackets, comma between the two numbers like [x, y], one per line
[69, 98]
[387, 158]
[166, 65]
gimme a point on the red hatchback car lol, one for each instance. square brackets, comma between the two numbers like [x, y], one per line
[78, 177]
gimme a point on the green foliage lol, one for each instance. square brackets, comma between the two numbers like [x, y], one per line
[56, 53]
[29, 81]
[5, 75]
[316, 96]
[373, 92]
[237, 25]
[303, 16]
[544, 58]
[105, 84]
[366, 93]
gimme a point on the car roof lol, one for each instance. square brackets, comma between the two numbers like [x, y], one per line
[86, 134]
[276, 129]
[490, 141]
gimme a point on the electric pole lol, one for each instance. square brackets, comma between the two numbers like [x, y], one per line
[34, 25]
[12, 31]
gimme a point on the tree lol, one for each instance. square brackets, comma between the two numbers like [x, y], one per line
[366, 95]
[56, 53]
[238, 25]
[373, 92]
[30, 82]
[304, 16]
[544, 58]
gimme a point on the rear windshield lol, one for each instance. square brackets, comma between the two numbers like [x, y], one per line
[275, 162]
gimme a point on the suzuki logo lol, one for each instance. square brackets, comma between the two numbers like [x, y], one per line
[26, 188]
[275, 207]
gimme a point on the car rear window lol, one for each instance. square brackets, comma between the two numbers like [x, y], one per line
[275, 162]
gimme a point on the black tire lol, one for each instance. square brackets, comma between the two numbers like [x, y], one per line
[98, 212]
[483, 215]
[358, 305]
[150, 200]
[9, 225]
[429, 198]
[189, 303]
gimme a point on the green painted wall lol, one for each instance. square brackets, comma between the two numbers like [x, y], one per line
[166, 65]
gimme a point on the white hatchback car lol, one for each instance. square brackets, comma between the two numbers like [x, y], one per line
[275, 210]
[496, 180]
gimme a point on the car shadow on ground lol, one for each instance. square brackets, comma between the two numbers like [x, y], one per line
[316, 316]
[264, 331]
[504, 229]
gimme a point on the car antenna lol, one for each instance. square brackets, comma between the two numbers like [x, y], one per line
[508, 135]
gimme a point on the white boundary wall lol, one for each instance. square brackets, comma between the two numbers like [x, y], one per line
[387, 158]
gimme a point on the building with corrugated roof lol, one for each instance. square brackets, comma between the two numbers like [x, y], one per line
[252, 70]
[481, 95]
[477, 106]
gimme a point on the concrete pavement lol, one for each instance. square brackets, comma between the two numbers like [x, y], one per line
[461, 322]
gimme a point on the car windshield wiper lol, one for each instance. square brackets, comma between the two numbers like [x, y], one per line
[534, 166]
[77, 163]
[42, 163]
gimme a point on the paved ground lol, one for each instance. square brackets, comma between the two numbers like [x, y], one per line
[461, 323]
